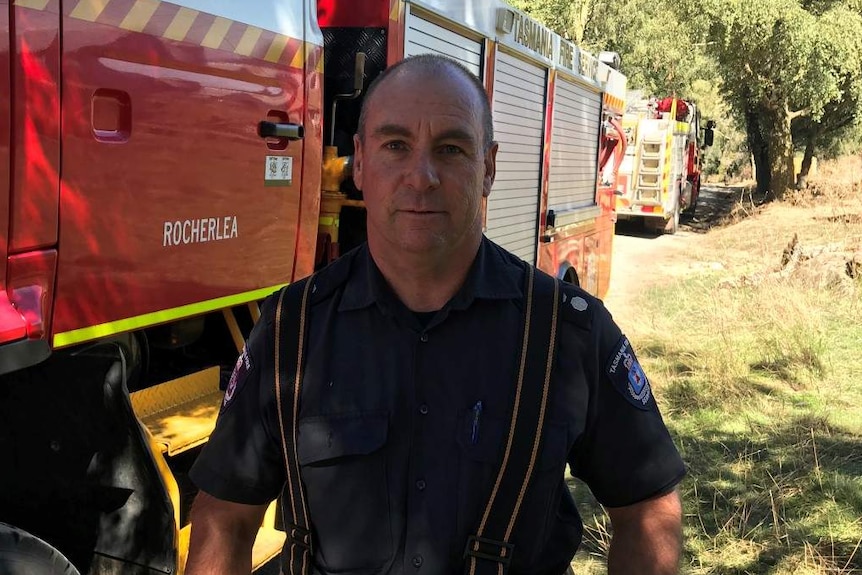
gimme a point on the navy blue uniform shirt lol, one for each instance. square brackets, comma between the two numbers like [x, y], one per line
[403, 418]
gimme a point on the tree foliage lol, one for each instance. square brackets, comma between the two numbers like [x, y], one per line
[783, 62]
[657, 56]
[836, 129]
[791, 70]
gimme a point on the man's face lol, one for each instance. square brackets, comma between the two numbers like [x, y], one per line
[422, 166]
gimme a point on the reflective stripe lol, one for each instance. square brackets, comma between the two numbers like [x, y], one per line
[89, 9]
[149, 319]
[284, 18]
[33, 4]
[614, 103]
[217, 32]
[276, 49]
[248, 41]
[261, 30]
[139, 16]
[181, 24]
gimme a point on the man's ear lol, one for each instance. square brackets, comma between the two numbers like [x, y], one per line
[490, 169]
[357, 161]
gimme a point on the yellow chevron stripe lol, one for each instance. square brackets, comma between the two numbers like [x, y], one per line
[276, 49]
[89, 9]
[139, 16]
[181, 24]
[395, 12]
[32, 4]
[248, 41]
[299, 57]
[217, 32]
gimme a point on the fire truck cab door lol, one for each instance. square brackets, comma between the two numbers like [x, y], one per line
[172, 203]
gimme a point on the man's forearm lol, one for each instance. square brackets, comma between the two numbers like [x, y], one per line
[222, 537]
[649, 540]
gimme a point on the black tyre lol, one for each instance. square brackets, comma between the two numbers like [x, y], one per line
[24, 554]
[671, 225]
[695, 194]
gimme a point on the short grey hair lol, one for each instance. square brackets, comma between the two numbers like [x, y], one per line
[433, 63]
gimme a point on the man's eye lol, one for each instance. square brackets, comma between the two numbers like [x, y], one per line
[395, 145]
[451, 149]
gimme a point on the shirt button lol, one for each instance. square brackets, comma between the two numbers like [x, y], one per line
[417, 561]
[420, 485]
[423, 338]
[423, 409]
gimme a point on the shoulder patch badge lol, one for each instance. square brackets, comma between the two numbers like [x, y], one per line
[628, 377]
[237, 378]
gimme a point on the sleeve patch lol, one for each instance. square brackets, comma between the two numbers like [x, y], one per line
[628, 377]
[237, 378]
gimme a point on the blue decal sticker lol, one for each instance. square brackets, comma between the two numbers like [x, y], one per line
[628, 376]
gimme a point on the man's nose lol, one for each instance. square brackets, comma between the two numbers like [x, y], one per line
[422, 172]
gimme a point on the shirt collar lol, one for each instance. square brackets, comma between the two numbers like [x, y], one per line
[494, 274]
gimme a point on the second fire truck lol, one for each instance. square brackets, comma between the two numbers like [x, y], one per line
[659, 179]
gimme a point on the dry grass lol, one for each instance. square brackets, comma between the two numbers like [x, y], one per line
[758, 370]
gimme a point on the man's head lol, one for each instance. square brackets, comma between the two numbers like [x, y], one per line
[425, 158]
[433, 64]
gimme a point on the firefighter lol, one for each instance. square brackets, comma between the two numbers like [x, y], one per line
[409, 374]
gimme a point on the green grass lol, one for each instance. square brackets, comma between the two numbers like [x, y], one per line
[761, 386]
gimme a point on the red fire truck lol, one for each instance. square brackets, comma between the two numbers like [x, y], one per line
[166, 165]
[659, 179]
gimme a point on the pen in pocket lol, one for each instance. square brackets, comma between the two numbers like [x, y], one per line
[477, 413]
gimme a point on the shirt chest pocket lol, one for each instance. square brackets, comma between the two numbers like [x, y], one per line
[343, 461]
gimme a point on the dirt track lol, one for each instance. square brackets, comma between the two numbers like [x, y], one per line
[641, 258]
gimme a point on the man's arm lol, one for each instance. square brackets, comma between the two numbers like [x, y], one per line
[222, 536]
[647, 537]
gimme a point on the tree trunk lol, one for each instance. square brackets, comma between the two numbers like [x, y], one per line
[775, 121]
[802, 179]
[759, 151]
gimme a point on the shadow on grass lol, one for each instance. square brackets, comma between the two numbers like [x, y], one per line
[719, 205]
[790, 369]
[787, 492]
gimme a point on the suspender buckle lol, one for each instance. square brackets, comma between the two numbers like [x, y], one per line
[299, 535]
[482, 548]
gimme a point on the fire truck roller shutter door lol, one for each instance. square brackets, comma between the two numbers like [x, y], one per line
[574, 146]
[424, 37]
[519, 118]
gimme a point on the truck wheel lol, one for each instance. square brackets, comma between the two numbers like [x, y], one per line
[671, 225]
[24, 554]
[695, 193]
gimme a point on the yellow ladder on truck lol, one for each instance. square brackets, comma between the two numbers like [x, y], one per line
[649, 166]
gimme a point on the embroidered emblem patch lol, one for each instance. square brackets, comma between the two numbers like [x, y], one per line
[237, 377]
[628, 376]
